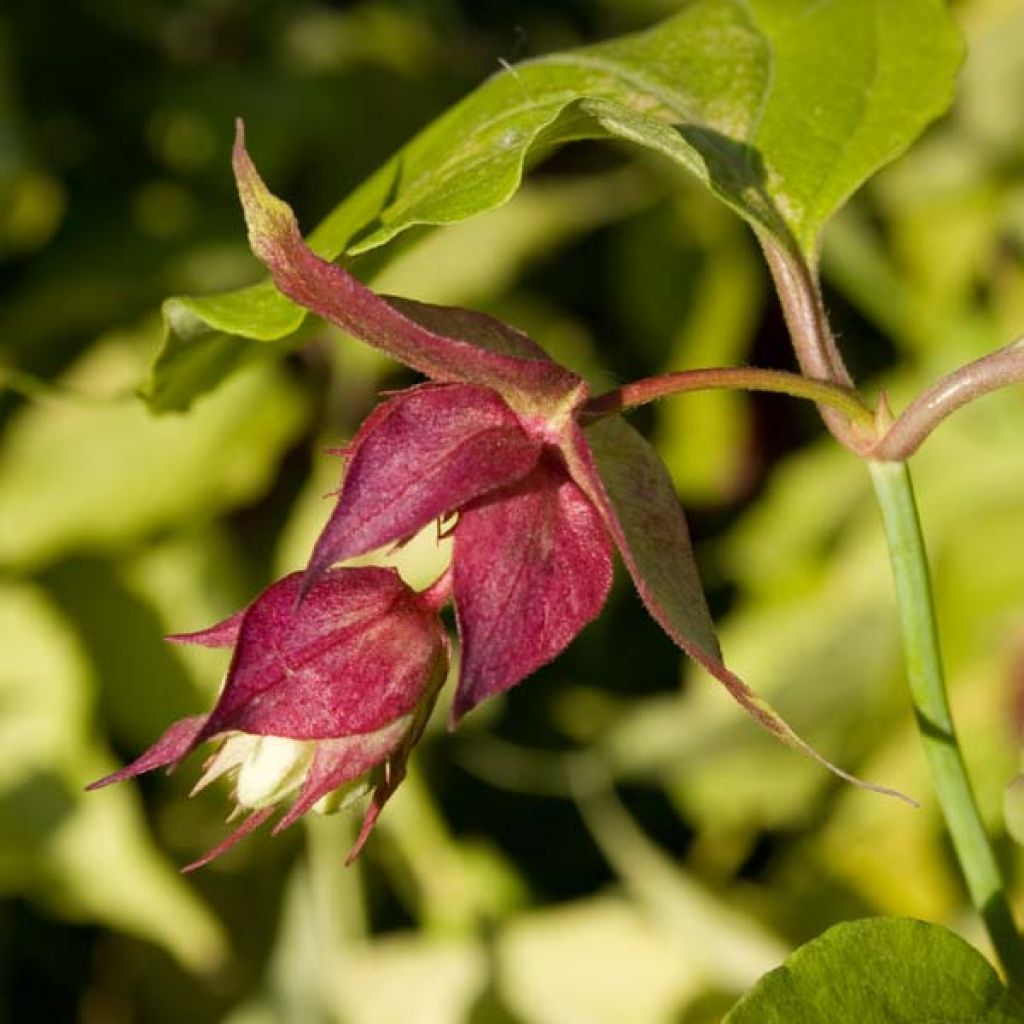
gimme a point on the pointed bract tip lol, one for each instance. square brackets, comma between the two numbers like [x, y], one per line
[270, 221]
[178, 741]
[222, 634]
[370, 819]
[311, 576]
[459, 709]
[253, 822]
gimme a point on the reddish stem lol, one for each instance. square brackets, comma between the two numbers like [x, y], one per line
[997, 370]
[840, 399]
[813, 341]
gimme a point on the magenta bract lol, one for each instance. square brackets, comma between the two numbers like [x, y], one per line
[317, 694]
[496, 441]
[533, 565]
[445, 344]
[420, 455]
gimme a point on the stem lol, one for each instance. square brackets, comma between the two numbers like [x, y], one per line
[813, 341]
[997, 370]
[739, 378]
[909, 560]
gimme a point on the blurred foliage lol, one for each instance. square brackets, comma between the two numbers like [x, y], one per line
[603, 845]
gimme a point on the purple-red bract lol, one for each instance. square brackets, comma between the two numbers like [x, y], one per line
[353, 670]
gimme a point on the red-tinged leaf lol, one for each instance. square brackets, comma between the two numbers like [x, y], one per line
[420, 455]
[337, 762]
[447, 345]
[223, 634]
[533, 565]
[178, 741]
[354, 656]
[253, 822]
[624, 477]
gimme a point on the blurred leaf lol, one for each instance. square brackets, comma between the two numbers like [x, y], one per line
[320, 924]
[601, 961]
[867, 845]
[405, 979]
[87, 856]
[878, 72]
[124, 640]
[881, 971]
[823, 657]
[79, 476]
[454, 887]
[702, 438]
[725, 945]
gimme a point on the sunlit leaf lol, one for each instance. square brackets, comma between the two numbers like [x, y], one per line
[723, 943]
[601, 961]
[878, 73]
[881, 971]
[86, 476]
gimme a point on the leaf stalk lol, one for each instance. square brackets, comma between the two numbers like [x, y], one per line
[841, 399]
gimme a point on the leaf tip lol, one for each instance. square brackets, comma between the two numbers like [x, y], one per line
[270, 221]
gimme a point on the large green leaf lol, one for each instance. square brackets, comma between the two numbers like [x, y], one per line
[881, 971]
[781, 107]
[88, 476]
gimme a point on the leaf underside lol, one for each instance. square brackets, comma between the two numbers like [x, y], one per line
[721, 89]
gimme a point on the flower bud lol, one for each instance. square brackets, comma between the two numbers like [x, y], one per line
[320, 693]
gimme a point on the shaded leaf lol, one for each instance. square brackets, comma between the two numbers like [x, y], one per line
[88, 857]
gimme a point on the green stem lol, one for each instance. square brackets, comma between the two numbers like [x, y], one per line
[740, 378]
[909, 559]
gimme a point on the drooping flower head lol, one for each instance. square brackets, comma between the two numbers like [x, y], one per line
[336, 670]
[542, 489]
[318, 695]
[501, 438]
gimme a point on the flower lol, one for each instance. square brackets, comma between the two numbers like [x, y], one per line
[502, 437]
[532, 562]
[335, 671]
[321, 698]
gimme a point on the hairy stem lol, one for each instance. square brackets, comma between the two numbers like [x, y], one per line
[997, 370]
[840, 399]
[985, 883]
[813, 342]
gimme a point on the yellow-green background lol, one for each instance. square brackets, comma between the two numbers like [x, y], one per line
[614, 841]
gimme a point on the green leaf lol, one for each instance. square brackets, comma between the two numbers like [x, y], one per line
[601, 960]
[881, 971]
[781, 107]
[78, 475]
[728, 947]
